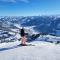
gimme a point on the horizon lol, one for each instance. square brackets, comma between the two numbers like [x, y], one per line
[29, 7]
[33, 15]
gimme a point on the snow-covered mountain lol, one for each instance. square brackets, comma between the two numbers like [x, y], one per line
[34, 27]
[43, 32]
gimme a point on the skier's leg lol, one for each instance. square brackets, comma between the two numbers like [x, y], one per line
[23, 40]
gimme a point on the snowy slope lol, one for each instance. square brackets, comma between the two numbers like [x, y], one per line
[42, 51]
[10, 31]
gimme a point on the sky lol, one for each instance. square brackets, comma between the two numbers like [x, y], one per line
[29, 7]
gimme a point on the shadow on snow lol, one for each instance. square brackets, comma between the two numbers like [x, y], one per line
[8, 48]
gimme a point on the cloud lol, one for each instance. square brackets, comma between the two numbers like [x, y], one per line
[26, 1]
[7, 0]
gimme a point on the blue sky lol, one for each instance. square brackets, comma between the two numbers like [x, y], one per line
[29, 7]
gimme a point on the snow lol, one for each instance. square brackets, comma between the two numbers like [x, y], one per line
[41, 51]
[48, 38]
[17, 36]
[30, 30]
[18, 26]
[12, 33]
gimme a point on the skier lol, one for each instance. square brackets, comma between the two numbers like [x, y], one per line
[23, 37]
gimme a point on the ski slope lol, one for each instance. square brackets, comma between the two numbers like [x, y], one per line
[41, 51]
